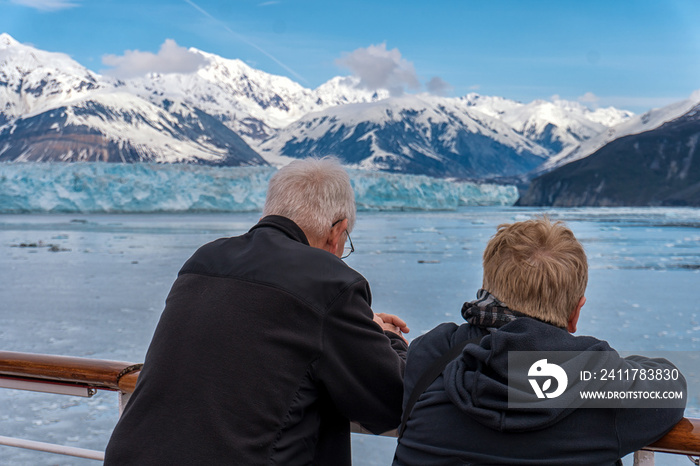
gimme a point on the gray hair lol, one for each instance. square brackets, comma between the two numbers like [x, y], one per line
[314, 193]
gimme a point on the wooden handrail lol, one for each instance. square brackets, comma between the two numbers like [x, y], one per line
[127, 383]
[684, 438]
[94, 373]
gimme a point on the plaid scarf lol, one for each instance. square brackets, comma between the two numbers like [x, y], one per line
[487, 311]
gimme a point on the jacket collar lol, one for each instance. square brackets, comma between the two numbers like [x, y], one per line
[286, 226]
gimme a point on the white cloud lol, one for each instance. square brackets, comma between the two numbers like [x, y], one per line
[589, 98]
[46, 5]
[438, 86]
[379, 68]
[171, 58]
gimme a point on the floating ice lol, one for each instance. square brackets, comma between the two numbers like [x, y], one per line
[143, 188]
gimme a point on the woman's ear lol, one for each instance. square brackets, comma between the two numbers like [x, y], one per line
[575, 314]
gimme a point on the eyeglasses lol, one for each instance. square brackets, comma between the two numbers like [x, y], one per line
[346, 250]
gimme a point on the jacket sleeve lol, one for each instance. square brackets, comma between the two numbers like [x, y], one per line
[638, 427]
[361, 366]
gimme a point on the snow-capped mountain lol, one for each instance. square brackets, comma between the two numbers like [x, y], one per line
[473, 136]
[198, 116]
[655, 167]
[637, 124]
[556, 125]
[120, 127]
[410, 134]
[32, 80]
[253, 103]
[52, 108]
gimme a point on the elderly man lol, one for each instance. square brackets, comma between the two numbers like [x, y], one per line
[468, 399]
[267, 347]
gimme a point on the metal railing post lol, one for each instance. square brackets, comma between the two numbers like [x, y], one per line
[123, 400]
[643, 458]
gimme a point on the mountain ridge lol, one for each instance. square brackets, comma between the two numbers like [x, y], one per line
[102, 128]
[260, 108]
[658, 167]
[438, 136]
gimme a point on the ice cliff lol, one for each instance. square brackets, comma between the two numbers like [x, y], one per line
[145, 188]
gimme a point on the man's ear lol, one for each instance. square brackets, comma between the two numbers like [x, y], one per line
[575, 314]
[333, 240]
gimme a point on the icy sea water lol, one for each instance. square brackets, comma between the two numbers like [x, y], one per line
[94, 286]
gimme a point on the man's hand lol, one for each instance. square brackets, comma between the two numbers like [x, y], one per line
[392, 323]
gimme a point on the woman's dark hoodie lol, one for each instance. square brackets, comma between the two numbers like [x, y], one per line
[464, 418]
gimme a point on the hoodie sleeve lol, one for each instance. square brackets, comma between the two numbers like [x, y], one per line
[638, 427]
[361, 366]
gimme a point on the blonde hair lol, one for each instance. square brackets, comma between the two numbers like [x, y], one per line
[314, 193]
[538, 268]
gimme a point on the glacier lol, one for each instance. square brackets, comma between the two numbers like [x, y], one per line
[98, 187]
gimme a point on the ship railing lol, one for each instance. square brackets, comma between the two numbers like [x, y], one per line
[75, 376]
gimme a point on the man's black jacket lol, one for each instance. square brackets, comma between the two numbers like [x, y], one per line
[264, 352]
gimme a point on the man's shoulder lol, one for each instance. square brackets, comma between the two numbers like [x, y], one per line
[210, 258]
[269, 257]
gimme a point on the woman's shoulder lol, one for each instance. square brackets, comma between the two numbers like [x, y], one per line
[440, 339]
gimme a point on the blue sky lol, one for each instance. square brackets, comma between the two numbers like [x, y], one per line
[630, 54]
